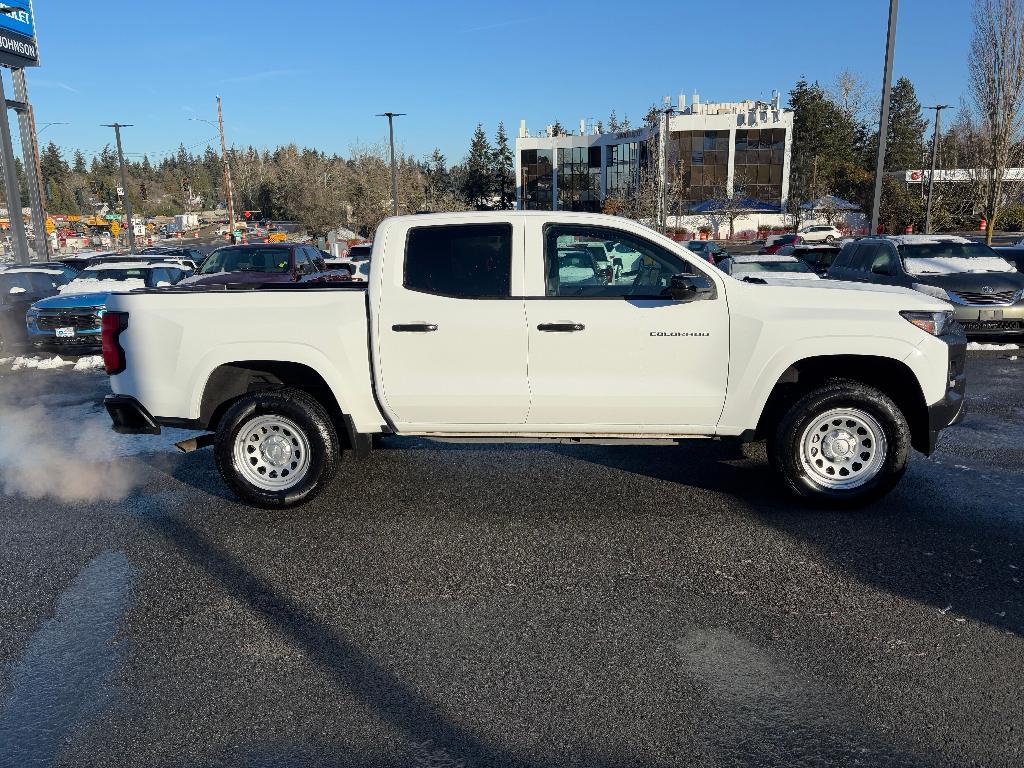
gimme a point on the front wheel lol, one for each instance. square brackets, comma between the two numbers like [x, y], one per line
[276, 448]
[829, 239]
[841, 445]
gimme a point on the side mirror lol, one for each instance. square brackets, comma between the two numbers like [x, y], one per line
[686, 288]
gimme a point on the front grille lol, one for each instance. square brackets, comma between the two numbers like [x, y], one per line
[80, 321]
[985, 299]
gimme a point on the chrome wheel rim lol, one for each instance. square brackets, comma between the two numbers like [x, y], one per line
[843, 448]
[271, 453]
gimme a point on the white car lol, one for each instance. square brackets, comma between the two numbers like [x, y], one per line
[765, 268]
[466, 331]
[820, 233]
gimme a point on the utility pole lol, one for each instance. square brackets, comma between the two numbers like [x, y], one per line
[931, 179]
[33, 170]
[394, 170]
[124, 184]
[883, 118]
[228, 191]
[662, 212]
[19, 241]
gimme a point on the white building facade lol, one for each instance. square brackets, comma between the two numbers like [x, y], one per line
[711, 150]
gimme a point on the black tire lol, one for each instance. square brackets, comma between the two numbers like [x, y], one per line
[318, 432]
[829, 239]
[786, 455]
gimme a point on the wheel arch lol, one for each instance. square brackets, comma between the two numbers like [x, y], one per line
[893, 377]
[230, 381]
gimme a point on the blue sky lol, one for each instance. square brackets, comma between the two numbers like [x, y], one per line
[315, 72]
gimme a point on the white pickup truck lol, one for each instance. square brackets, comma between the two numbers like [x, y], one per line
[481, 326]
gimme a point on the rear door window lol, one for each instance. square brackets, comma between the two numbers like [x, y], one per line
[468, 261]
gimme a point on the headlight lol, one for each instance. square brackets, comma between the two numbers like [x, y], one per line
[931, 290]
[935, 323]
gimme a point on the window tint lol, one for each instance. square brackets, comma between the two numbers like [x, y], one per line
[19, 280]
[884, 262]
[246, 259]
[636, 267]
[844, 259]
[864, 256]
[471, 261]
[43, 282]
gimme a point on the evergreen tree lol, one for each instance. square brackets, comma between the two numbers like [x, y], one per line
[624, 125]
[905, 142]
[557, 129]
[79, 166]
[477, 180]
[504, 170]
[613, 122]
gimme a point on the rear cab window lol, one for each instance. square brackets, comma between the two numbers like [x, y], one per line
[466, 261]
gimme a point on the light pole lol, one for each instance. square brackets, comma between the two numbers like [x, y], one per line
[124, 184]
[394, 171]
[883, 118]
[931, 178]
[229, 192]
[47, 125]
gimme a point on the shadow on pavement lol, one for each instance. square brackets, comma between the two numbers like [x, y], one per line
[943, 539]
[437, 740]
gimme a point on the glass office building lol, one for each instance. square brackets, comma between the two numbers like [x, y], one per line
[711, 151]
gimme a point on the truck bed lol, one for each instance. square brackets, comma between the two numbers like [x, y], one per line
[319, 325]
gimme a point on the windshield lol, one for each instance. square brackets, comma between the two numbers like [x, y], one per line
[273, 260]
[112, 274]
[769, 266]
[944, 257]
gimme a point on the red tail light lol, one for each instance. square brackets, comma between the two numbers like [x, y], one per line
[113, 354]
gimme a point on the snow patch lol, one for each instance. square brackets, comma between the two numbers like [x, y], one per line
[956, 265]
[977, 345]
[94, 285]
[39, 363]
[90, 363]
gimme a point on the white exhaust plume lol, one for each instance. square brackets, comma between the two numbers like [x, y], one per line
[64, 452]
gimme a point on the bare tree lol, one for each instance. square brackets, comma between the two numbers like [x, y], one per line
[996, 83]
[849, 91]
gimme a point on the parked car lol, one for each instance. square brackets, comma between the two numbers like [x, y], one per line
[190, 257]
[468, 333]
[986, 291]
[20, 287]
[781, 241]
[820, 233]
[261, 263]
[351, 259]
[71, 320]
[766, 268]
[83, 259]
[708, 250]
[817, 256]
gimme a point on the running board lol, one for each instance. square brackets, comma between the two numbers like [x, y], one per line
[570, 440]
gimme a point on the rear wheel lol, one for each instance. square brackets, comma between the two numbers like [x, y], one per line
[843, 444]
[829, 239]
[276, 448]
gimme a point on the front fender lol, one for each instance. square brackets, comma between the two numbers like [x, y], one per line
[750, 386]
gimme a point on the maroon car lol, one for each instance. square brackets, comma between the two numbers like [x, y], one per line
[781, 242]
[265, 263]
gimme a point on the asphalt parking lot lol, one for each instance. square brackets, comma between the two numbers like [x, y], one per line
[505, 606]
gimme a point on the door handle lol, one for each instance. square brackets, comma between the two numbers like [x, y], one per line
[561, 327]
[414, 327]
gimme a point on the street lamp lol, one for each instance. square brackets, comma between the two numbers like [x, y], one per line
[47, 125]
[394, 171]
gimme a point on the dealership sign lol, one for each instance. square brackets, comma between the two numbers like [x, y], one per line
[961, 174]
[18, 34]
